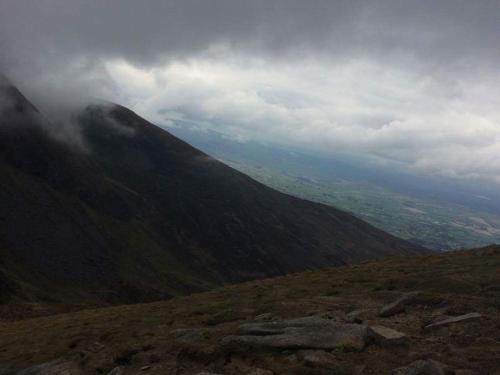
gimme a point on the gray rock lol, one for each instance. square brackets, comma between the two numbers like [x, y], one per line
[274, 327]
[399, 305]
[455, 319]
[302, 333]
[57, 367]
[317, 358]
[387, 337]
[421, 367]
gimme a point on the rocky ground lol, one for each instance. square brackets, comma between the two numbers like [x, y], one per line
[434, 314]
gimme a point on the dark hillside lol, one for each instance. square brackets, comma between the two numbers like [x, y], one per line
[137, 214]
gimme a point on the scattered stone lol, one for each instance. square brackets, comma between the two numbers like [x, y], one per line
[275, 327]
[317, 358]
[387, 337]
[145, 368]
[57, 367]
[303, 333]
[455, 319]
[421, 367]
[398, 306]
[116, 371]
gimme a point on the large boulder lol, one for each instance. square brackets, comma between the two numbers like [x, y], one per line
[302, 333]
[387, 337]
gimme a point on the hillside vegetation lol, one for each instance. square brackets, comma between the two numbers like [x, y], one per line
[203, 332]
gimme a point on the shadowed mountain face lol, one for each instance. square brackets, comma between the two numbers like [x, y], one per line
[137, 214]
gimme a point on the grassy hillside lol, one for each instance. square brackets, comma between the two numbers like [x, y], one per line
[144, 336]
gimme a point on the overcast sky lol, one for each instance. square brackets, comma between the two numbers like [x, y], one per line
[411, 82]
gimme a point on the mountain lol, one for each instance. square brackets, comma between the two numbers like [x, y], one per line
[122, 211]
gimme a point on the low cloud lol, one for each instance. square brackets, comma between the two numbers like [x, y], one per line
[414, 83]
[393, 115]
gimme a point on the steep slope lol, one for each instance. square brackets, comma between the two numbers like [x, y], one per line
[136, 214]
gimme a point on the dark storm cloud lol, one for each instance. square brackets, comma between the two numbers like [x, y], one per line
[49, 32]
[409, 81]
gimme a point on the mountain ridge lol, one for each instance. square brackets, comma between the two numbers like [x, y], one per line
[140, 215]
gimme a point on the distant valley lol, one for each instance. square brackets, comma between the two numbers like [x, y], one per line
[421, 214]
